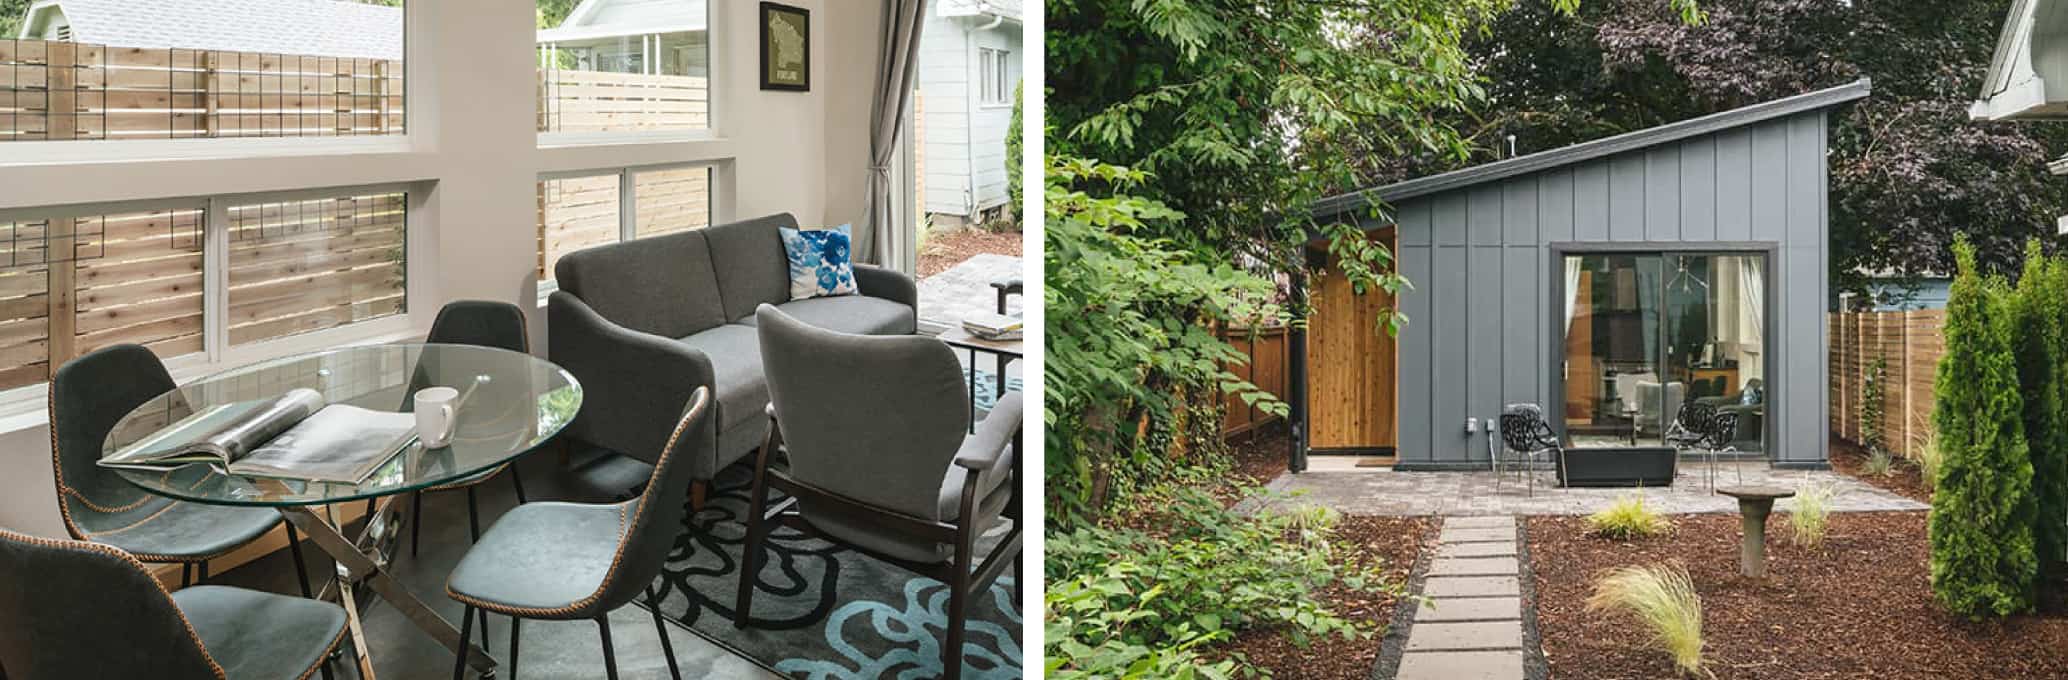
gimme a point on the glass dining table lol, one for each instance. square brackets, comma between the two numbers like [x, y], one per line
[510, 403]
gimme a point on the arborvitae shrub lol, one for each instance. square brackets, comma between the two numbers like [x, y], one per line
[2040, 310]
[1982, 560]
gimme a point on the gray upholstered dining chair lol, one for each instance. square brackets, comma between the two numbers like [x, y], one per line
[486, 324]
[71, 609]
[876, 430]
[575, 561]
[88, 397]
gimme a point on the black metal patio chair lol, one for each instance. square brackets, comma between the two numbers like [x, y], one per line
[1524, 431]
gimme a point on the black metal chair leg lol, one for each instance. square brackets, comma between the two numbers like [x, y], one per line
[186, 575]
[203, 578]
[515, 624]
[459, 660]
[473, 516]
[610, 655]
[326, 670]
[484, 627]
[653, 602]
[517, 480]
[301, 569]
[416, 520]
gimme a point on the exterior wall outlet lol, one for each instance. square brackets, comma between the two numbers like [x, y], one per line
[1471, 425]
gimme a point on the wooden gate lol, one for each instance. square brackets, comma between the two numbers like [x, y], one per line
[1352, 378]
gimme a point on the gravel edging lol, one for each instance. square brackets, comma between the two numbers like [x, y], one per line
[1394, 644]
[1534, 664]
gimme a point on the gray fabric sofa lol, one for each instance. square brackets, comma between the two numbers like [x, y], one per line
[643, 323]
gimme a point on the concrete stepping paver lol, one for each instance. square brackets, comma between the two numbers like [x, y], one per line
[1466, 636]
[1473, 566]
[1471, 586]
[1469, 609]
[1493, 665]
[1471, 626]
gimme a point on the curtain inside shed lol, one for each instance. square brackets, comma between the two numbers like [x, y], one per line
[891, 239]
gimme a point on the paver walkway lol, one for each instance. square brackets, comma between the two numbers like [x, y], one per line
[1386, 492]
[1471, 627]
[965, 289]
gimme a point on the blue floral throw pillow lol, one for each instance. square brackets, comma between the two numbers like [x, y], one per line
[821, 264]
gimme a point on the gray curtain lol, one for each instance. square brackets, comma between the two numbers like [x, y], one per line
[896, 71]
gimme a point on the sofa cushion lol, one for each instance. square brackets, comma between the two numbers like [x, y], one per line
[659, 284]
[850, 314]
[753, 268]
[735, 353]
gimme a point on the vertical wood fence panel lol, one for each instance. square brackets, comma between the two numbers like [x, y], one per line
[1269, 362]
[1908, 345]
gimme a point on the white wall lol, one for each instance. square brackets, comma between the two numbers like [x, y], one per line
[474, 159]
[945, 68]
[993, 122]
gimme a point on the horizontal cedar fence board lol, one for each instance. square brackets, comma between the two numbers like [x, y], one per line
[1909, 345]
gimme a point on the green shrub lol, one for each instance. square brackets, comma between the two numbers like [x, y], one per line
[1810, 513]
[1982, 559]
[1627, 518]
[1128, 603]
[2042, 346]
[1663, 599]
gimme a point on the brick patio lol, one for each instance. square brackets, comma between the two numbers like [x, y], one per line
[1385, 492]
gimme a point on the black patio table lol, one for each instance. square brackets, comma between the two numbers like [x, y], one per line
[510, 404]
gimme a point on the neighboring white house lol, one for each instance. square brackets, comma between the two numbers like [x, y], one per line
[2028, 75]
[329, 28]
[653, 37]
[969, 67]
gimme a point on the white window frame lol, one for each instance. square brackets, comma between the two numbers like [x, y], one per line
[107, 150]
[715, 15]
[993, 70]
[217, 353]
[628, 199]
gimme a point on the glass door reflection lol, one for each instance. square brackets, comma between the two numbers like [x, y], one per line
[1614, 395]
[1716, 344]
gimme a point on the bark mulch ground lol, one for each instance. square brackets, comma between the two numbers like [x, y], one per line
[1903, 479]
[1389, 544]
[944, 251]
[1260, 455]
[1859, 606]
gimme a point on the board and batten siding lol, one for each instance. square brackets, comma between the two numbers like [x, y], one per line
[1480, 257]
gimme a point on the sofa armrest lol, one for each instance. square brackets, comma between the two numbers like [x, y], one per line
[888, 284]
[984, 450]
[633, 383]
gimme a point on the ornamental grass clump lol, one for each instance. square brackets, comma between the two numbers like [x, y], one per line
[1663, 599]
[1929, 458]
[1879, 463]
[1982, 561]
[1627, 518]
[1810, 514]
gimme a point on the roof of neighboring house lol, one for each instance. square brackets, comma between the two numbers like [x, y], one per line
[1585, 151]
[594, 19]
[1008, 9]
[330, 28]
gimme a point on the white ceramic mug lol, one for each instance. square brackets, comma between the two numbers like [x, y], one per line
[434, 411]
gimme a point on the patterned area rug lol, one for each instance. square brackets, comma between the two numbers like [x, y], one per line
[825, 611]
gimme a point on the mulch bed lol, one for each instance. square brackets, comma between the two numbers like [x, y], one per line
[1260, 455]
[1904, 479]
[1860, 606]
[1391, 543]
[945, 250]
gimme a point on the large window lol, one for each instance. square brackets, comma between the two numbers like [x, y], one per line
[623, 67]
[589, 210]
[122, 70]
[74, 283]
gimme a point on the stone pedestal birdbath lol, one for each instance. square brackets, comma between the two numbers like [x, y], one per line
[1754, 504]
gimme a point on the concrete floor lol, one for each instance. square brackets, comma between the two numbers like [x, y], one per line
[550, 649]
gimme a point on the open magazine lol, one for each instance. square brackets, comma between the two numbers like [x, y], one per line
[293, 436]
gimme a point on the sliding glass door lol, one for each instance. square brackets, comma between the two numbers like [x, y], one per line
[1645, 334]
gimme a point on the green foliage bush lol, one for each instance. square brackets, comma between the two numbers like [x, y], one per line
[1982, 559]
[1627, 518]
[1125, 603]
[2042, 346]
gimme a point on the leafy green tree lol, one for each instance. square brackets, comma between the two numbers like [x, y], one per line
[11, 14]
[2042, 311]
[1982, 559]
[1016, 150]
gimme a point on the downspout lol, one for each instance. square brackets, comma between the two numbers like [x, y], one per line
[969, 106]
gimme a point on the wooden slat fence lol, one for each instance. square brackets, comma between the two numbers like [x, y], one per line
[1268, 368]
[1909, 345]
[70, 91]
[303, 266]
[595, 101]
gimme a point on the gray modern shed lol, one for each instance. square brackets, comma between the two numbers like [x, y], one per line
[1612, 282]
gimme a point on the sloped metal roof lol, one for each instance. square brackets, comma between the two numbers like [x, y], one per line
[329, 28]
[1585, 151]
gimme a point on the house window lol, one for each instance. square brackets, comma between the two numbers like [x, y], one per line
[311, 69]
[994, 77]
[624, 66]
[75, 283]
[307, 265]
[591, 210]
